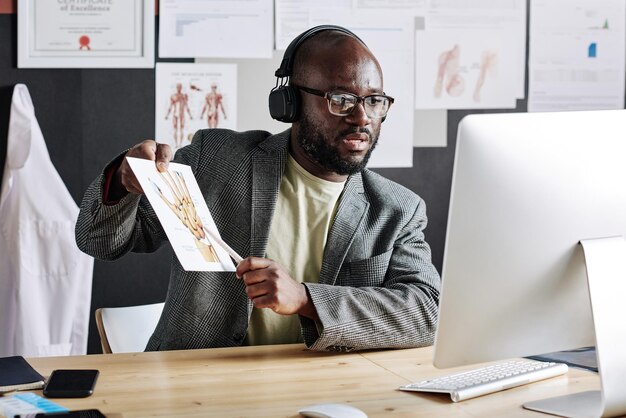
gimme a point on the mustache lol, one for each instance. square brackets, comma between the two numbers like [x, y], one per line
[362, 130]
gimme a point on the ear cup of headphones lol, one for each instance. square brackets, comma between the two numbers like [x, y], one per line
[284, 103]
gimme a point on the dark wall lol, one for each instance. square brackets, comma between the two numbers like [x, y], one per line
[89, 116]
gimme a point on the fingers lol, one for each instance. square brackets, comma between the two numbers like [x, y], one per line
[163, 155]
[260, 277]
[269, 285]
[258, 273]
[149, 150]
[126, 178]
[265, 294]
[260, 281]
[251, 263]
[145, 149]
[259, 289]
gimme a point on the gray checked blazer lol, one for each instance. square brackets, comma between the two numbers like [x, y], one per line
[377, 286]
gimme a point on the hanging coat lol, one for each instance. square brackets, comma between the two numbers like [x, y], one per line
[45, 280]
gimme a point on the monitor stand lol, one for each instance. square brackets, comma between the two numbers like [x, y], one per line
[605, 259]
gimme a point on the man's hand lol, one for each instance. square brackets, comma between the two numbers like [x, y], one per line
[269, 285]
[124, 179]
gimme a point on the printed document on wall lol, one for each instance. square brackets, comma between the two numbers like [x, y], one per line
[576, 61]
[390, 38]
[191, 97]
[415, 7]
[294, 17]
[499, 15]
[216, 29]
[464, 69]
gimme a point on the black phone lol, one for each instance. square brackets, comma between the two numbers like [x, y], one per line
[70, 383]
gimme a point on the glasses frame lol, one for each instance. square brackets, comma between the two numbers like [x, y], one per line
[359, 99]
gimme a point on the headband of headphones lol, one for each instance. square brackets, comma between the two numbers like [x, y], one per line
[284, 100]
[286, 65]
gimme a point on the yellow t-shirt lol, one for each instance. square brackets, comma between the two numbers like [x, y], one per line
[305, 210]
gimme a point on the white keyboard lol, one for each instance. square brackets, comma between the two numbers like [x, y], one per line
[489, 379]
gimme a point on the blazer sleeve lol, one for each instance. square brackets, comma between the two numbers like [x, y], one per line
[400, 312]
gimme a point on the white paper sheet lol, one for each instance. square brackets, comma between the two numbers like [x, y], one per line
[502, 15]
[218, 28]
[464, 69]
[182, 210]
[416, 7]
[294, 17]
[391, 40]
[576, 62]
[191, 97]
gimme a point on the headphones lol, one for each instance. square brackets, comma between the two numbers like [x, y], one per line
[284, 100]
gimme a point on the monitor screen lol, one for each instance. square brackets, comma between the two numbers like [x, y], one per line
[526, 188]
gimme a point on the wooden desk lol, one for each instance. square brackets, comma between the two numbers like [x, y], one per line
[275, 381]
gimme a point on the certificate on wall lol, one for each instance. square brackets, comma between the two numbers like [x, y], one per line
[86, 34]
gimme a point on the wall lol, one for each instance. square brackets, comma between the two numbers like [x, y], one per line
[89, 116]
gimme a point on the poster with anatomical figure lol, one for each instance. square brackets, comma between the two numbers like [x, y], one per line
[464, 69]
[193, 96]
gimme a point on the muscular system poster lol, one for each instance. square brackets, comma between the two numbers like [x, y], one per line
[191, 97]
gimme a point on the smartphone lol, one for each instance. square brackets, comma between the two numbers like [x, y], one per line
[72, 383]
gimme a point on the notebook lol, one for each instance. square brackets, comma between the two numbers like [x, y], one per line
[17, 374]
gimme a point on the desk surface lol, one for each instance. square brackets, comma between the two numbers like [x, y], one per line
[275, 381]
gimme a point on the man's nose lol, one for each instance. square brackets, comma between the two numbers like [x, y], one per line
[358, 116]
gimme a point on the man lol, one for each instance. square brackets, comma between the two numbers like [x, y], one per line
[336, 255]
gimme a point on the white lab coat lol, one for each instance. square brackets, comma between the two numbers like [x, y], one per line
[45, 280]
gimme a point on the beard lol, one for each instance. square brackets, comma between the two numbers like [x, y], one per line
[325, 151]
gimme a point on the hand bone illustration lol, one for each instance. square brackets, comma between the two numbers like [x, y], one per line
[185, 210]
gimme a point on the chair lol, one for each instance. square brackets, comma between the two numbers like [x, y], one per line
[127, 329]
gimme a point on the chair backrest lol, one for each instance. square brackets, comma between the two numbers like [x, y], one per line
[127, 329]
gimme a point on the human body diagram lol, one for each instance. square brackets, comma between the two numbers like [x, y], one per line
[179, 103]
[213, 103]
[448, 75]
[449, 79]
[488, 66]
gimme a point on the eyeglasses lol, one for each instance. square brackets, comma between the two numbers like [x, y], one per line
[342, 104]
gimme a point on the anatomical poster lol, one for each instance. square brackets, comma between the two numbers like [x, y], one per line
[190, 97]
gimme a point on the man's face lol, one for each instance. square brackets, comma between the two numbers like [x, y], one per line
[339, 144]
[327, 148]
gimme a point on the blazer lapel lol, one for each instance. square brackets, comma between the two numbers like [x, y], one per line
[267, 170]
[350, 214]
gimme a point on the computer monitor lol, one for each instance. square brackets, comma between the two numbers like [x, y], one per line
[526, 188]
